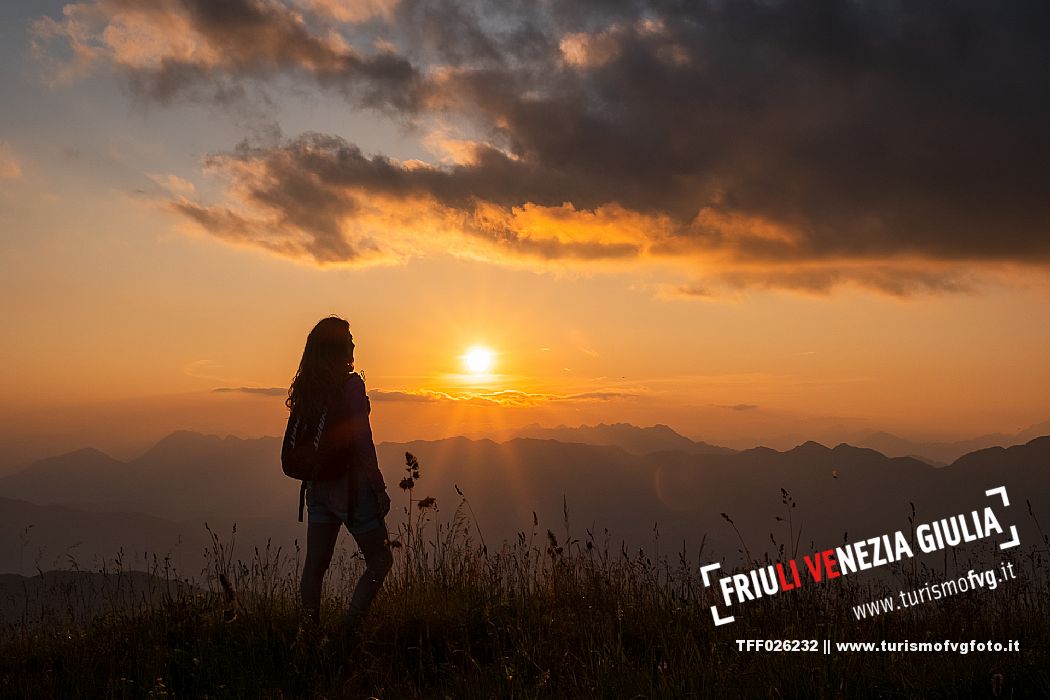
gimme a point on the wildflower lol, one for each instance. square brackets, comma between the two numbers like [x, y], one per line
[428, 502]
[407, 483]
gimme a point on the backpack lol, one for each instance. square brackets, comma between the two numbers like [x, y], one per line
[312, 450]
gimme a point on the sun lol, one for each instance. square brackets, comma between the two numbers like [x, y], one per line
[478, 359]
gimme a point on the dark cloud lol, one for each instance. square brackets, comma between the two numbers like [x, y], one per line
[892, 280]
[407, 396]
[315, 194]
[261, 391]
[170, 48]
[789, 141]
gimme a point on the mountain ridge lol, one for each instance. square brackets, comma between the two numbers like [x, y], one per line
[198, 478]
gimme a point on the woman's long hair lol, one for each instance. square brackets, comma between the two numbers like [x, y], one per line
[322, 370]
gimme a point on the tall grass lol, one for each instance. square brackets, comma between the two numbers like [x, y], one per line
[548, 614]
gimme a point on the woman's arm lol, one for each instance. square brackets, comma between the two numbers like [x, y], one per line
[362, 447]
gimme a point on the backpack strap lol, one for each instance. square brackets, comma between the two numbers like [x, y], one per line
[302, 499]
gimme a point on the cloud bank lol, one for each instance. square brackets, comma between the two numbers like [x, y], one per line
[793, 144]
[252, 390]
[506, 398]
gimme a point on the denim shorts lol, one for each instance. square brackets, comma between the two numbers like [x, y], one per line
[326, 502]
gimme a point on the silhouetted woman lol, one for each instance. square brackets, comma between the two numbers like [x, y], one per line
[356, 499]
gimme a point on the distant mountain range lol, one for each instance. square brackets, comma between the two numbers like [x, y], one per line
[660, 438]
[184, 476]
[941, 453]
[630, 438]
[639, 480]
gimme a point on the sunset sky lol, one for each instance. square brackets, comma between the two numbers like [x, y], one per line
[742, 219]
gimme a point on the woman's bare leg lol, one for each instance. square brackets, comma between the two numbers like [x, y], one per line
[378, 560]
[320, 543]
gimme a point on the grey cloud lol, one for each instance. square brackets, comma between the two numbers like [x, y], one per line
[897, 281]
[235, 41]
[412, 397]
[311, 184]
[261, 391]
[766, 133]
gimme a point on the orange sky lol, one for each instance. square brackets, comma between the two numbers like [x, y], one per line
[147, 262]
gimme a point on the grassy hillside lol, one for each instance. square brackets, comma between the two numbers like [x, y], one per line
[544, 616]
